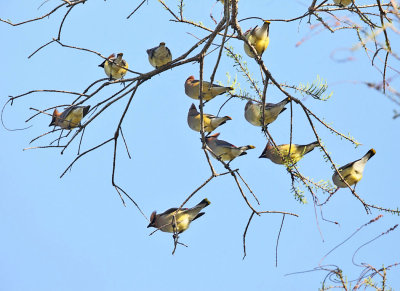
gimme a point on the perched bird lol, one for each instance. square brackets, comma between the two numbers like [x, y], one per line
[210, 121]
[296, 152]
[70, 118]
[159, 55]
[342, 3]
[352, 172]
[225, 150]
[209, 91]
[165, 221]
[257, 37]
[253, 112]
[115, 67]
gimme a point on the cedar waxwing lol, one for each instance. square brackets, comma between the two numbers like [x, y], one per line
[352, 172]
[192, 89]
[210, 121]
[342, 3]
[115, 67]
[183, 218]
[259, 38]
[296, 152]
[159, 55]
[253, 112]
[225, 150]
[70, 118]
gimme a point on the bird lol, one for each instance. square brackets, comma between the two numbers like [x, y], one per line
[69, 118]
[209, 91]
[224, 150]
[253, 112]
[210, 121]
[257, 37]
[159, 55]
[296, 152]
[166, 222]
[115, 67]
[342, 3]
[352, 172]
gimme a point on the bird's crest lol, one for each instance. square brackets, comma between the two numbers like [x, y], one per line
[152, 219]
[214, 135]
[56, 115]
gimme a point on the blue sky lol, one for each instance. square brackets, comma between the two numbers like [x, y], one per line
[74, 233]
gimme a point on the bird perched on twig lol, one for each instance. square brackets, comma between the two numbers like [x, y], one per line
[225, 150]
[209, 91]
[166, 222]
[352, 172]
[115, 67]
[253, 112]
[281, 157]
[210, 121]
[159, 55]
[257, 37]
[69, 118]
[342, 3]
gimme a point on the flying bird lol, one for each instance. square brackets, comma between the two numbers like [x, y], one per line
[225, 150]
[70, 118]
[352, 172]
[159, 55]
[165, 221]
[210, 121]
[281, 157]
[253, 112]
[209, 91]
[257, 37]
[115, 67]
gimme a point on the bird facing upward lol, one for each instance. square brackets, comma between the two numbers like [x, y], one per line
[69, 118]
[165, 221]
[257, 37]
[115, 67]
[352, 172]
[209, 91]
[210, 121]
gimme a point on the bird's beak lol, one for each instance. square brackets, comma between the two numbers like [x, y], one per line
[149, 225]
[262, 156]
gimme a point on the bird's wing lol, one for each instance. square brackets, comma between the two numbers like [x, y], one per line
[209, 115]
[151, 51]
[169, 211]
[225, 144]
[348, 165]
[67, 112]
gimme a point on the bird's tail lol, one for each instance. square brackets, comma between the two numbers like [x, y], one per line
[86, 110]
[311, 146]
[203, 203]
[223, 120]
[245, 148]
[220, 90]
[370, 154]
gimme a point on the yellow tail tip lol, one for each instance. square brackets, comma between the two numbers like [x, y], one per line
[373, 151]
[205, 200]
[251, 147]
